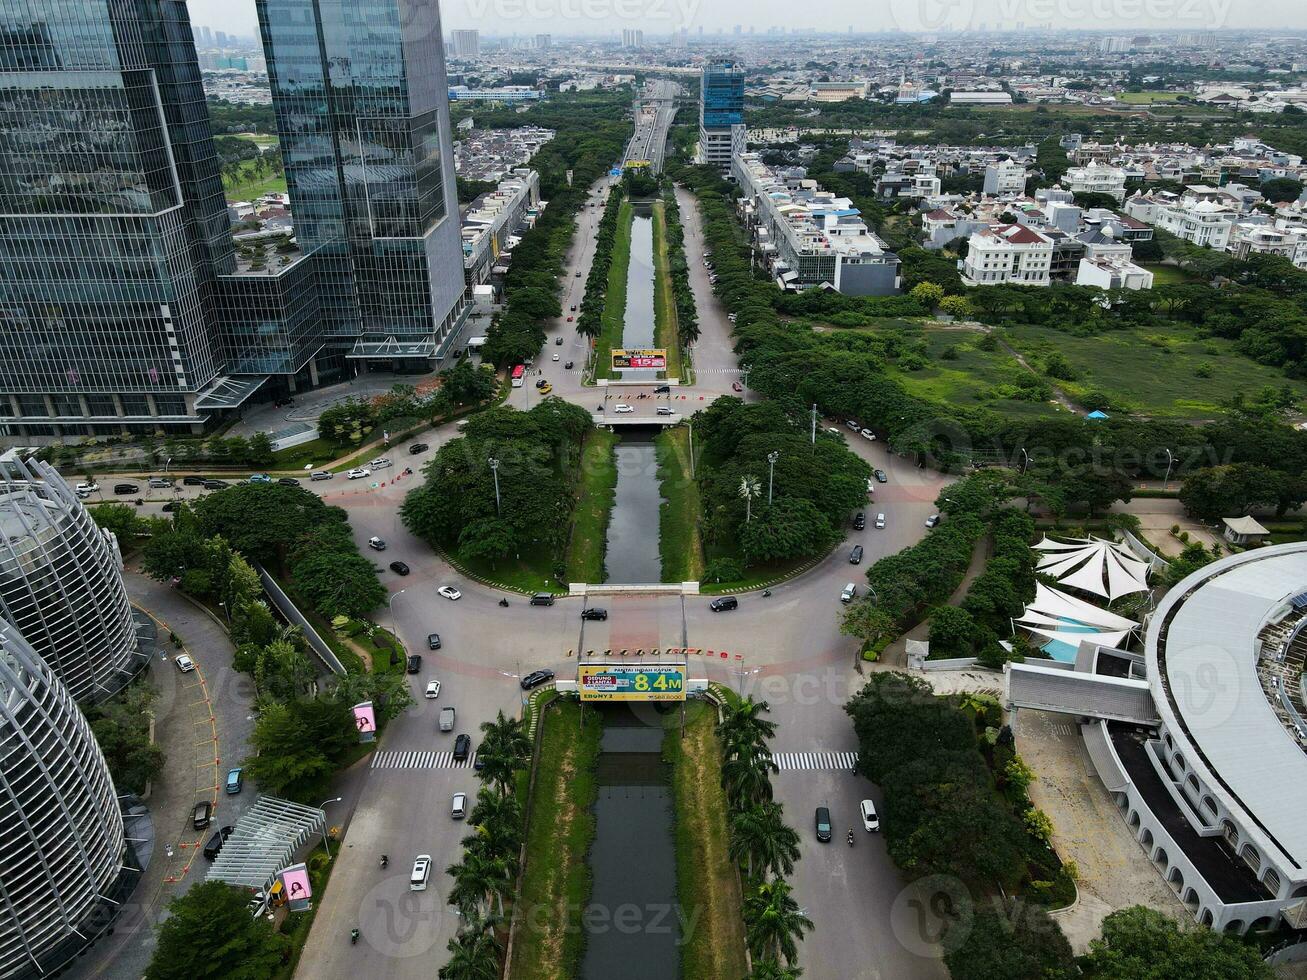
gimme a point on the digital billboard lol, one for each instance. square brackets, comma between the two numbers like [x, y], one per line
[295, 879]
[654, 357]
[365, 721]
[631, 682]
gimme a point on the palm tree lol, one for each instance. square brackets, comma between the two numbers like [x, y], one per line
[749, 488]
[743, 729]
[507, 737]
[475, 955]
[493, 809]
[771, 970]
[497, 768]
[760, 834]
[746, 776]
[478, 880]
[774, 922]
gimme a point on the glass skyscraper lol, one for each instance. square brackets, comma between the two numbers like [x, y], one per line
[361, 97]
[721, 114]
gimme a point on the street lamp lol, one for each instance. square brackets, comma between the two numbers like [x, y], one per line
[494, 469]
[1166, 484]
[325, 843]
[771, 472]
[390, 608]
[1025, 460]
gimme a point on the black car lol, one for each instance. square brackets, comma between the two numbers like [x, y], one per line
[169, 507]
[855, 556]
[567, 366]
[541, 383]
[288, 481]
[593, 613]
[462, 747]
[417, 447]
[399, 567]
[859, 521]
[215, 484]
[823, 824]
[202, 814]
[724, 603]
[122, 489]
[536, 678]
[880, 476]
[433, 641]
[414, 663]
[558, 341]
[663, 390]
[219, 838]
[193, 481]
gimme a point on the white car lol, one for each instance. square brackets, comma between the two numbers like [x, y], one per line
[880, 522]
[380, 463]
[449, 592]
[417, 881]
[555, 357]
[359, 473]
[870, 820]
[853, 425]
[868, 435]
[433, 689]
[622, 409]
[86, 488]
[458, 806]
[184, 663]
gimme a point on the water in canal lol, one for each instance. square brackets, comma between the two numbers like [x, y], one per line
[638, 325]
[632, 929]
[631, 553]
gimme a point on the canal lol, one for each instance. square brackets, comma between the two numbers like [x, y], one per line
[632, 927]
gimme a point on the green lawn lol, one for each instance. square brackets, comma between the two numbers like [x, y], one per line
[594, 504]
[976, 378]
[250, 185]
[678, 515]
[707, 883]
[531, 570]
[612, 319]
[1147, 98]
[1153, 373]
[666, 333]
[315, 453]
[262, 140]
[1168, 275]
[556, 880]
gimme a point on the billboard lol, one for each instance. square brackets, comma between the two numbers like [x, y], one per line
[298, 891]
[631, 682]
[365, 721]
[654, 357]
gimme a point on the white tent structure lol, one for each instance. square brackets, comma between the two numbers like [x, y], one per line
[1058, 616]
[1094, 565]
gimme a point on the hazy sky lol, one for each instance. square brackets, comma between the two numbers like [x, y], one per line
[608, 17]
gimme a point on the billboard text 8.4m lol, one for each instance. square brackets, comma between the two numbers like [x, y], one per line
[631, 682]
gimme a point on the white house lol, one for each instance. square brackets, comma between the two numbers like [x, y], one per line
[1008, 254]
[1096, 179]
[1113, 272]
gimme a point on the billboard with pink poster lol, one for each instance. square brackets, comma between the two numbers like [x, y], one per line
[296, 887]
[365, 721]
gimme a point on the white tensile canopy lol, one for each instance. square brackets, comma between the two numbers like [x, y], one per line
[1055, 616]
[1094, 565]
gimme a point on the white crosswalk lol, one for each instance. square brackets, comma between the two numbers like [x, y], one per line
[420, 760]
[815, 760]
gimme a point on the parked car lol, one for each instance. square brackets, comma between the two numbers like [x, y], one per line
[359, 473]
[161, 483]
[235, 780]
[932, 520]
[414, 663]
[449, 592]
[169, 507]
[870, 819]
[85, 489]
[418, 448]
[421, 873]
[214, 847]
[880, 522]
[542, 599]
[462, 747]
[193, 481]
[433, 641]
[122, 489]
[822, 820]
[849, 594]
[594, 612]
[376, 543]
[184, 663]
[399, 567]
[622, 409]
[855, 556]
[880, 476]
[724, 603]
[458, 806]
[380, 463]
[317, 475]
[447, 719]
[536, 678]
[663, 390]
[202, 814]
[664, 410]
[433, 689]
[859, 521]
[868, 435]
[288, 481]
[215, 484]
[852, 425]
[260, 478]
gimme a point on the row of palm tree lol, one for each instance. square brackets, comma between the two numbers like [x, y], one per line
[487, 874]
[761, 841]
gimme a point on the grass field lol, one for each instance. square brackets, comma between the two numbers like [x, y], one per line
[707, 883]
[1147, 98]
[1154, 374]
[556, 881]
[594, 504]
[666, 332]
[614, 314]
[1168, 275]
[678, 515]
[262, 140]
[975, 379]
[248, 185]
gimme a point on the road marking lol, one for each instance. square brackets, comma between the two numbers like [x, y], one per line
[815, 760]
[420, 760]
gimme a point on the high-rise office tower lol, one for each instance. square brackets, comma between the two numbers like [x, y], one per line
[632, 38]
[63, 848]
[544, 42]
[362, 107]
[467, 44]
[113, 224]
[721, 114]
[221, 38]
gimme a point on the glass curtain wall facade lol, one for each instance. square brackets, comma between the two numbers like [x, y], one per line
[721, 114]
[361, 96]
[113, 224]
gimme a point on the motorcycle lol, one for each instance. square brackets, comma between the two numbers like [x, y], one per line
[353, 936]
[504, 603]
[766, 593]
[850, 838]
[384, 860]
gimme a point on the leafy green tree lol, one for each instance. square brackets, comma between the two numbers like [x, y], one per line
[928, 294]
[339, 583]
[788, 528]
[952, 629]
[866, 620]
[348, 423]
[771, 970]
[1235, 489]
[1016, 942]
[1280, 189]
[121, 727]
[773, 923]
[261, 520]
[746, 776]
[474, 954]
[209, 933]
[760, 837]
[260, 450]
[120, 519]
[297, 746]
[1140, 943]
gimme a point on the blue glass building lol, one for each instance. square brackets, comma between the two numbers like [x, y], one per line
[721, 114]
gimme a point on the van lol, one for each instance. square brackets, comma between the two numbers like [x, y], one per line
[317, 475]
[542, 599]
[447, 719]
[849, 593]
[725, 603]
[159, 483]
[123, 489]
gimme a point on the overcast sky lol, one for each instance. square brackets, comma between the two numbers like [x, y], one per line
[608, 17]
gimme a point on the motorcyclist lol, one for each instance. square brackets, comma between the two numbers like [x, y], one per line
[850, 838]
[353, 936]
[385, 860]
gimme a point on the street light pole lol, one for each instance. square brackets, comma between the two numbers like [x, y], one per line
[771, 472]
[494, 469]
[814, 423]
[390, 609]
[325, 843]
[691, 425]
[1166, 484]
[1025, 460]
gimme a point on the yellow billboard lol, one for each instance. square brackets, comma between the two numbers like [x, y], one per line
[631, 682]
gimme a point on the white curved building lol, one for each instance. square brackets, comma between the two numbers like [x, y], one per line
[1202, 739]
[61, 831]
[61, 582]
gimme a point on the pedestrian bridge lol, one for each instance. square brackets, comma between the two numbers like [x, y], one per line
[614, 420]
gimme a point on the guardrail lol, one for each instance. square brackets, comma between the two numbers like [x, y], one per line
[653, 588]
[288, 609]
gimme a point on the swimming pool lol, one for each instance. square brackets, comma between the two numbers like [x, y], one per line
[1062, 651]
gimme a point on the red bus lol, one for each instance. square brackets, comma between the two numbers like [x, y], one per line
[519, 373]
